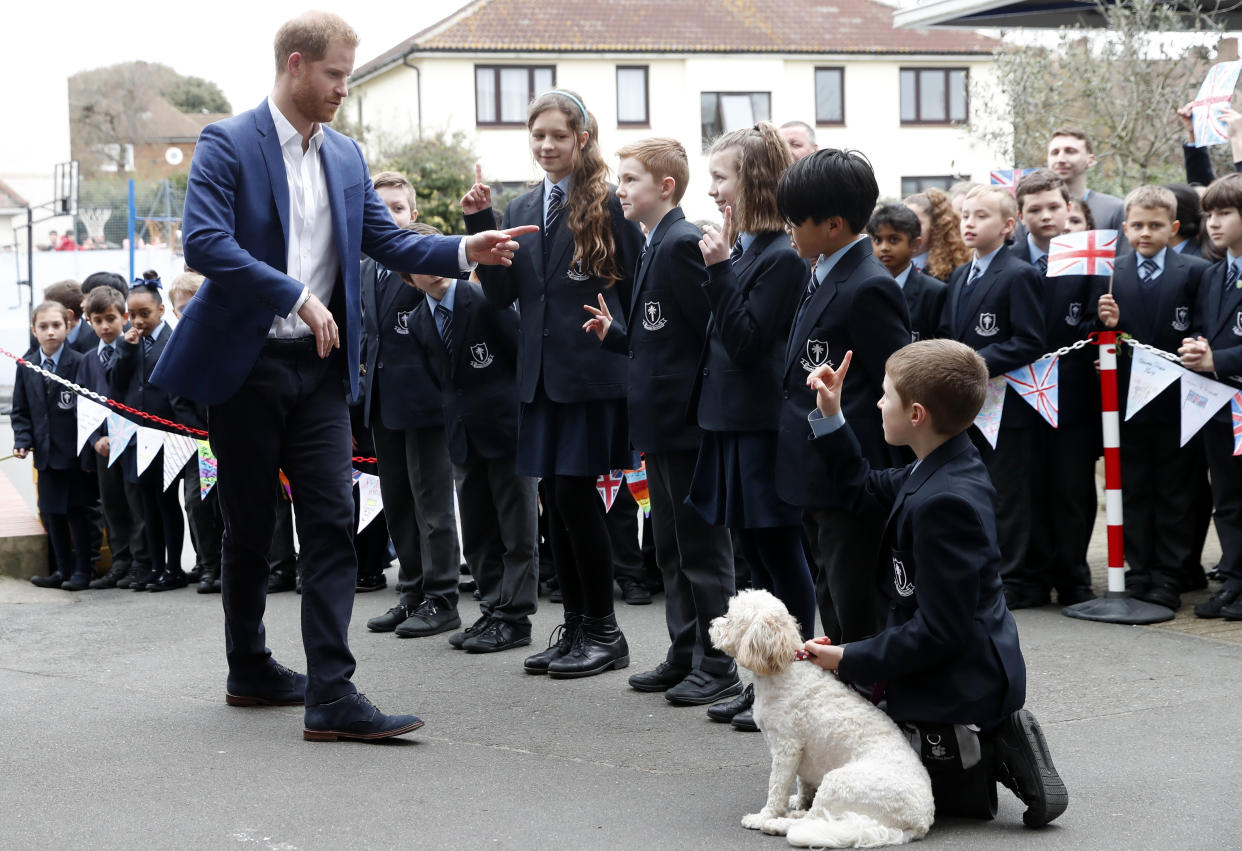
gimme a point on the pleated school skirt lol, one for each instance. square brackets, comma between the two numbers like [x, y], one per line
[734, 482]
[573, 438]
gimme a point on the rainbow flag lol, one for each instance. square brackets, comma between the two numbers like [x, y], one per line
[637, 481]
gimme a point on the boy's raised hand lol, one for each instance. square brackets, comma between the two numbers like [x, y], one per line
[715, 243]
[1110, 313]
[1184, 113]
[601, 318]
[827, 383]
[479, 197]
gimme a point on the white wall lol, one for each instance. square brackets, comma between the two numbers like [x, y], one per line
[390, 106]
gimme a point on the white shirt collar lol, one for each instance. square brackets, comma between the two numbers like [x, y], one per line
[285, 131]
[904, 275]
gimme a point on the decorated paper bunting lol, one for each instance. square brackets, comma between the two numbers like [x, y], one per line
[1235, 405]
[206, 468]
[177, 450]
[91, 415]
[1214, 97]
[637, 481]
[150, 441]
[988, 419]
[1201, 398]
[120, 432]
[607, 486]
[1037, 384]
[1149, 376]
[370, 504]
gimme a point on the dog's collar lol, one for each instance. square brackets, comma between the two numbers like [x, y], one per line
[802, 656]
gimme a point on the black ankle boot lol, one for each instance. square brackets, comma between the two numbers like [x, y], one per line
[600, 646]
[210, 581]
[559, 644]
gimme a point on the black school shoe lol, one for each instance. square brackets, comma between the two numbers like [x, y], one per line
[77, 582]
[1213, 607]
[112, 577]
[634, 592]
[52, 580]
[700, 688]
[744, 722]
[378, 582]
[723, 713]
[662, 678]
[430, 618]
[495, 636]
[169, 580]
[457, 639]
[392, 618]
[1024, 765]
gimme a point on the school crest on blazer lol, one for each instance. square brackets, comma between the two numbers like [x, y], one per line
[653, 316]
[1074, 313]
[1237, 324]
[1181, 318]
[67, 400]
[480, 357]
[902, 581]
[816, 355]
[986, 326]
[402, 325]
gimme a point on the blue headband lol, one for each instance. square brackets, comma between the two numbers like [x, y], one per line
[576, 101]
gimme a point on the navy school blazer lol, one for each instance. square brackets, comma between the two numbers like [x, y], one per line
[737, 386]
[663, 332]
[1002, 319]
[552, 347]
[949, 651]
[479, 393]
[1161, 317]
[1218, 317]
[858, 307]
[925, 298]
[132, 369]
[45, 414]
[409, 394]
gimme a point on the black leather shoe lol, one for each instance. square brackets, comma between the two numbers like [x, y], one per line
[52, 580]
[111, 578]
[169, 580]
[458, 638]
[281, 580]
[430, 618]
[271, 685]
[1232, 612]
[598, 647]
[663, 678]
[378, 582]
[1161, 595]
[497, 635]
[135, 571]
[140, 580]
[391, 619]
[723, 713]
[354, 717]
[210, 583]
[634, 593]
[1024, 765]
[744, 722]
[1212, 606]
[701, 688]
[77, 582]
[559, 643]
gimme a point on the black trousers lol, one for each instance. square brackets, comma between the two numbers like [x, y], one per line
[161, 517]
[843, 549]
[1064, 504]
[1158, 481]
[122, 510]
[1225, 470]
[416, 483]
[289, 414]
[778, 565]
[696, 560]
[203, 516]
[69, 541]
[499, 532]
[1009, 466]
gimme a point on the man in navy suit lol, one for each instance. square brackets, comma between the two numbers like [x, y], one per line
[278, 210]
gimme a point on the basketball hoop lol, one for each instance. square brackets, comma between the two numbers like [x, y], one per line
[95, 218]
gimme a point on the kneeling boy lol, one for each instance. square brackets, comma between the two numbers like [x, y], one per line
[948, 656]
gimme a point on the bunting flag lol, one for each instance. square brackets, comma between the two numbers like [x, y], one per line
[120, 432]
[1150, 374]
[91, 415]
[1201, 399]
[207, 468]
[988, 419]
[607, 486]
[1235, 405]
[284, 483]
[1089, 252]
[150, 441]
[178, 448]
[1008, 178]
[637, 481]
[369, 502]
[1215, 96]
[1037, 384]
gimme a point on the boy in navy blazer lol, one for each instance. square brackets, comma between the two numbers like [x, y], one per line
[662, 333]
[851, 302]
[472, 346]
[1153, 297]
[44, 419]
[948, 655]
[896, 238]
[994, 307]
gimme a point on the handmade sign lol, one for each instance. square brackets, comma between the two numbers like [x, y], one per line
[1215, 96]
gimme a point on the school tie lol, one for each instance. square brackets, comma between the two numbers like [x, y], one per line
[446, 327]
[737, 252]
[105, 359]
[1147, 273]
[147, 345]
[975, 274]
[1042, 263]
[556, 199]
[1231, 279]
[50, 366]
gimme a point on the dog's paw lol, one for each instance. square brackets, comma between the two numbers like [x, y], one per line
[777, 826]
[795, 813]
[754, 821]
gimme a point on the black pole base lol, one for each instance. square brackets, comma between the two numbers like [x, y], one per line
[1118, 607]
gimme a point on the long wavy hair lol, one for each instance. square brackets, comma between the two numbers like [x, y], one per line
[590, 219]
[944, 246]
[762, 157]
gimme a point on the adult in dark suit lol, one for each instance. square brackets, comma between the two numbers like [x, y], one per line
[278, 211]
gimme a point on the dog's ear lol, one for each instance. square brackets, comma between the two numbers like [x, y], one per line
[770, 641]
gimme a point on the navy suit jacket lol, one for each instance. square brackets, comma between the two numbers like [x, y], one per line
[925, 297]
[236, 234]
[478, 378]
[663, 332]
[552, 346]
[1218, 317]
[409, 394]
[45, 414]
[858, 307]
[949, 650]
[738, 383]
[1161, 317]
[1002, 319]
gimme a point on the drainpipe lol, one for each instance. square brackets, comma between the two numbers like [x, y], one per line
[418, 88]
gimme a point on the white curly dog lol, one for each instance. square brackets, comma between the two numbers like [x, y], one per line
[860, 783]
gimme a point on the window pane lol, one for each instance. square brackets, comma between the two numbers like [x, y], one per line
[761, 106]
[514, 94]
[908, 110]
[736, 112]
[828, 95]
[909, 186]
[632, 95]
[543, 82]
[957, 95]
[708, 104]
[484, 94]
[932, 105]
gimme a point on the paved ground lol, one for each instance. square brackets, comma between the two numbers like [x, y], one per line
[114, 734]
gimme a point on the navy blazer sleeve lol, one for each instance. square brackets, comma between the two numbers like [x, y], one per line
[20, 416]
[859, 487]
[749, 322]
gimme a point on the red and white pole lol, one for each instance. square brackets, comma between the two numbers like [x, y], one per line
[1112, 461]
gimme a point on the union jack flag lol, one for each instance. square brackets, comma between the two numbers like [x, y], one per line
[1008, 178]
[1215, 96]
[607, 486]
[1089, 252]
[1235, 405]
[1037, 384]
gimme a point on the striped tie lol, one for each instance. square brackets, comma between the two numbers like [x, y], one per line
[975, 274]
[556, 200]
[1042, 263]
[1231, 279]
[737, 252]
[105, 358]
[147, 344]
[446, 327]
[50, 366]
[1147, 273]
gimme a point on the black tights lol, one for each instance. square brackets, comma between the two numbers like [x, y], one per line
[778, 564]
[581, 549]
[69, 537]
[161, 517]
